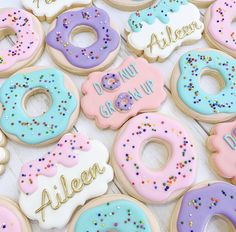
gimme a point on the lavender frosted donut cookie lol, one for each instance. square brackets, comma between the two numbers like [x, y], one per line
[77, 59]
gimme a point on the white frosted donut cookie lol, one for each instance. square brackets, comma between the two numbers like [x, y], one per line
[53, 186]
[129, 5]
[189, 95]
[48, 127]
[200, 204]
[150, 185]
[83, 60]
[219, 29]
[11, 218]
[114, 213]
[157, 31]
[50, 9]
[202, 3]
[4, 153]
[29, 43]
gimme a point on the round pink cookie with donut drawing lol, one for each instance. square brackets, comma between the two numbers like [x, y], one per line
[222, 144]
[150, 185]
[114, 96]
[219, 31]
[29, 43]
[202, 3]
[11, 218]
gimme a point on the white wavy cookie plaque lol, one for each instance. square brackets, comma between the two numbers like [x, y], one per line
[49, 9]
[157, 31]
[53, 186]
[4, 153]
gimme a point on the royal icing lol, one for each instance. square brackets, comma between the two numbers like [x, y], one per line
[223, 144]
[219, 25]
[50, 8]
[108, 39]
[112, 97]
[198, 206]
[130, 4]
[4, 153]
[28, 40]
[54, 185]
[34, 130]
[191, 65]
[177, 175]
[159, 30]
[117, 215]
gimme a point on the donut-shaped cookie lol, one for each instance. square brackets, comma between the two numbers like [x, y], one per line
[29, 44]
[114, 213]
[222, 144]
[148, 185]
[11, 218]
[157, 31]
[45, 128]
[219, 30]
[200, 204]
[80, 60]
[202, 3]
[49, 9]
[129, 5]
[192, 99]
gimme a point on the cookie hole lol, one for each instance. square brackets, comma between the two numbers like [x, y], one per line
[37, 102]
[233, 24]
[211, 82]
[83, 36]
[155, 155]
[218, 224]
[7, 38]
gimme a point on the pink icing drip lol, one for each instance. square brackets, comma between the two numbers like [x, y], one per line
[65, 153]
[27, 42]
[222, 15]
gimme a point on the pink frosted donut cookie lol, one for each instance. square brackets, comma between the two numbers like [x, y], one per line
[11, 218]
[222, 144]
[53, 186]
[129, 5]
[114, 96]
[154, 186]
[29, 44]
[218, 26]
[202, 3]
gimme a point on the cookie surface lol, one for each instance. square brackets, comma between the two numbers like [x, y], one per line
[53, 186]
[114, 212]
[202, 3]
[157, 31]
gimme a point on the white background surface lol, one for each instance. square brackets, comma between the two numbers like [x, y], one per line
[154, 155]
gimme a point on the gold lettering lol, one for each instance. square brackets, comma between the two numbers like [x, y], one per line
[46, 1]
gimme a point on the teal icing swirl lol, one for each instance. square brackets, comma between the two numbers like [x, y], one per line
[119, 215]
[159, 11]
[191, 66]
[34, 130]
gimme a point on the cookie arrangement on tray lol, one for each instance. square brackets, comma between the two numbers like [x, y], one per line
[66, 187]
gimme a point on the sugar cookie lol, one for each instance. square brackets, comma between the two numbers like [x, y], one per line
[154, 186]
[4, 153]
[112, 97]
[192, 99]
[30, 40]
[53, 186]
[48, 127]
[219, 31]
[80, 60]
[202, 3]
[198, 206]
[222, 143]
[114, 213]
[157, 31]
[129, 5]
[50, 9]
[11, 218]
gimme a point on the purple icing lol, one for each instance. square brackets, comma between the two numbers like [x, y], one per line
[107, 38]
[200, 205]
[234, 131]
[124, 102]
[110, 81]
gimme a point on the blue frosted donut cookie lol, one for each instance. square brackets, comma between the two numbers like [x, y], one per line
[189, 95]
[114, 213]
[49, 126]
